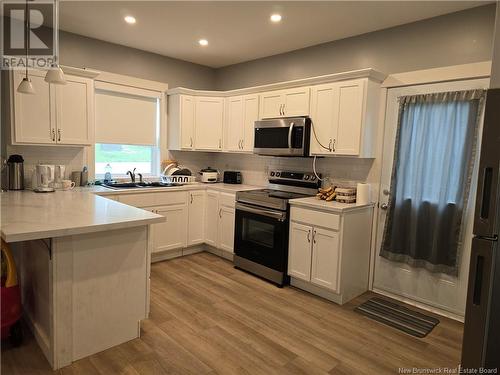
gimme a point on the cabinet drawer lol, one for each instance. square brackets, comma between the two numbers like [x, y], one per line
[227, 199]
[154, 199]
[315, 218]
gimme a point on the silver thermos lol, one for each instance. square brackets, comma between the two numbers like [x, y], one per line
[15, 165]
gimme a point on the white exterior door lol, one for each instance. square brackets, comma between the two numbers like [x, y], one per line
[325, 258]
[296, 102]
[226, 228]
[350, 117]
[299, 251]
[74, 102]
[34, 115]
[234, 124]
[433, 290]
[196, 217]
[211, 218]
[250, 115]
[171, 234]
[209, 122]
[187, 122]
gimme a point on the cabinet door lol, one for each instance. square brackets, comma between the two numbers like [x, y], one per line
[187, 122]
[226, 228]
[296, 102]
[299, 251]
[34, 115]
[74, 120]
[325, 258]
[171, 234]
[209, 118]
[234, 124]
[324, 113]
[196, 217]
[350, 115]
[250, 115]
[271, 104]
[211, 218]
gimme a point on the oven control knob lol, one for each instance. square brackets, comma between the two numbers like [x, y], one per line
[313, 178]
[272, 174]
[306, 177]
[278, 174]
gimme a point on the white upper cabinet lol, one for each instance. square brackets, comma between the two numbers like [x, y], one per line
[55, 114]
[181, 122]
[75, 111]
[34, 115]
[187, 122]
[345, 116]
[209, 122]
[285, 103]
[241, 113]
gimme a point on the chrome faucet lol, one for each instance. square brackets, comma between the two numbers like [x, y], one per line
[132, 175]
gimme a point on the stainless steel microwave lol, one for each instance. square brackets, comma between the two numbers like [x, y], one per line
[287, 136]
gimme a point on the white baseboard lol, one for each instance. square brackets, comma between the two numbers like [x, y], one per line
[40, 336]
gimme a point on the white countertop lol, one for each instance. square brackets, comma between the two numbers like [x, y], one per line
[313, 202]
[219, 186]
[27, 215]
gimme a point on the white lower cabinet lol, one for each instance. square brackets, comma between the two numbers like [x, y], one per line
[196, 218]
[219, 221]
[329, 252]
[171, 234]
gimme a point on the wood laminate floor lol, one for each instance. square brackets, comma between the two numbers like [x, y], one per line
[209, 318]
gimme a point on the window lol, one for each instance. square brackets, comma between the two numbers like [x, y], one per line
[127, 130]
[123, 158]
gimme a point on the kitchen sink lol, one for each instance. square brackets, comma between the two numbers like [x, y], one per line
[138, 185]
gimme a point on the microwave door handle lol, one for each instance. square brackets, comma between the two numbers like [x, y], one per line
[290, 134]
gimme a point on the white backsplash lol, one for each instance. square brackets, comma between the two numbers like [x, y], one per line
[74, 158]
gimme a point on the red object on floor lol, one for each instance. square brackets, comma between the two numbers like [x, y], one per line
[11, 308]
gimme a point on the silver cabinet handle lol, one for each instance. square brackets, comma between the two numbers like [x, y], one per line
[290, 134]
[284, 105]
[191, 198]
[58, 135]
[333, 145]
[220, 213]
[314, 235]
[220, 143]
[242, 144]
[309, 235]
[330, 145]
[384, 206]
[191, 141]
[53, 135]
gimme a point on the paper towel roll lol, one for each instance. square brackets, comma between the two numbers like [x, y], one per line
[363, 194]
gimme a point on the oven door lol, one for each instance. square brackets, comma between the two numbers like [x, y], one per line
[261, 236]
[280, 137]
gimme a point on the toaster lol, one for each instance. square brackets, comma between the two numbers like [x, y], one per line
[232, 177]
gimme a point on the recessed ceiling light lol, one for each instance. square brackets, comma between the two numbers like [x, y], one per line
[276, 17]
[203, 42]
[129, 19]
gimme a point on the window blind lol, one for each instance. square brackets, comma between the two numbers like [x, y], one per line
[124, 115]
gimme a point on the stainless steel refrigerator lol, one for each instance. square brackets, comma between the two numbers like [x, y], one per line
[481, 342]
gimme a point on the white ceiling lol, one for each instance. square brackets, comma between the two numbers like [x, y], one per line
[239, 31]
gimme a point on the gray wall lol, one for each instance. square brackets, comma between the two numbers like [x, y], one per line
[456, 38]
[495, 68]
[80, 51]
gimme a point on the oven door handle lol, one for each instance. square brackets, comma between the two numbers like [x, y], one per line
[280, 216]
[290, 134]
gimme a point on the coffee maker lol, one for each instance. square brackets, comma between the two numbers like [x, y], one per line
[42, 180]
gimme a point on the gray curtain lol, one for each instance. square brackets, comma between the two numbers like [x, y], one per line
[433, 160]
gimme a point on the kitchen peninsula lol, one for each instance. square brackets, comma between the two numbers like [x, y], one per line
[84, 263]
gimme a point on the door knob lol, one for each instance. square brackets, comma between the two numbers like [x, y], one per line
[384, 206]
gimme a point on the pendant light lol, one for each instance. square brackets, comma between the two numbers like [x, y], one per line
[26, 87]
[55, 73]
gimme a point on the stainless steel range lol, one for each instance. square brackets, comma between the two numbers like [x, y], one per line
[261, 227]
